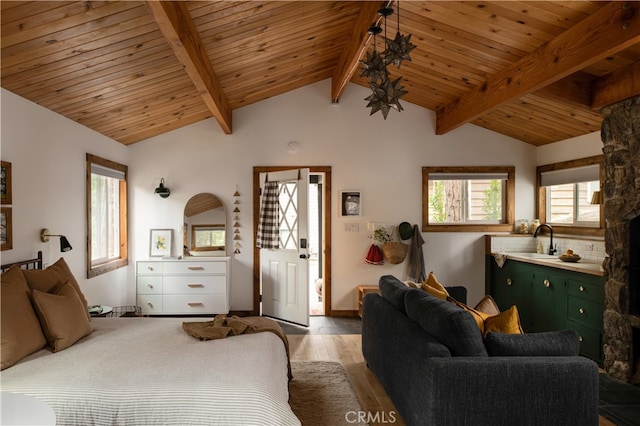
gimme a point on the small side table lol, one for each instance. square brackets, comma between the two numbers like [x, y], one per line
[362, 291]
[99, 310]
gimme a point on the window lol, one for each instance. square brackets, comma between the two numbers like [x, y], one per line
[468, 198]
[565, 191]
[106, 215]
[208, 237]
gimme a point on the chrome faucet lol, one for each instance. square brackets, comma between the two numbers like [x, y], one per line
[535, 234]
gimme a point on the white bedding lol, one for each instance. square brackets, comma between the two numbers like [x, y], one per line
[140, 371]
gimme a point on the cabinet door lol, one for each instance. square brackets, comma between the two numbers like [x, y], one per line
[511, 285]
[549, 298]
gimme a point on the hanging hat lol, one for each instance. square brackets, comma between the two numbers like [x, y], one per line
[405, 230]
[374, 256]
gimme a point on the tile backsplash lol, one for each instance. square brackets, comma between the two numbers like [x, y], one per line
[588, 249]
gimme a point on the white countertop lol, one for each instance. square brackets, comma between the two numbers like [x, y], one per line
[585, 266]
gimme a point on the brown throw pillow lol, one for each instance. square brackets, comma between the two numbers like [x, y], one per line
[45, 280]
[63, 316]
[21, 332]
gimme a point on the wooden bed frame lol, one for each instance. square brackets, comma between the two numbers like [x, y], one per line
[35, 263]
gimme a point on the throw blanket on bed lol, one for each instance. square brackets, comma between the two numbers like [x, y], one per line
[223, 326]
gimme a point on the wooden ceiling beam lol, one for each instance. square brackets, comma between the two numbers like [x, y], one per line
[611, 29]
[617, 86]
[574, 89]
[178, 28]
[354, 49]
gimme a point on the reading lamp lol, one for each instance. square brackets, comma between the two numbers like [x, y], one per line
[64, 243]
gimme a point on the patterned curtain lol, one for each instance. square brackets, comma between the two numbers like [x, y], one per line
[268, 236]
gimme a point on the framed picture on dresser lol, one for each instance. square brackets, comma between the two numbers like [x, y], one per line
[160, 242]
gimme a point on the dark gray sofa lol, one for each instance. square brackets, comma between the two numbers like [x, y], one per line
[432, 361]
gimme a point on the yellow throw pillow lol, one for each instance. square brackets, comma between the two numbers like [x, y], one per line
[506, 322]
[432, 286]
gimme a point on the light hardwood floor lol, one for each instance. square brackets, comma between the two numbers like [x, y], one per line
[347, 349]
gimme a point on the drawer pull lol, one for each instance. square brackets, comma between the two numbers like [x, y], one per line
[150, 268]
[195, 285]
[195, 304]
[196, 268]
[149, 304]
[580, 338]
[581, 310]
[581, 288]
[547, 283]
[150, 285]
[509, 282]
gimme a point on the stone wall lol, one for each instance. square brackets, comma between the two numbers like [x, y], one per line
[621, 189]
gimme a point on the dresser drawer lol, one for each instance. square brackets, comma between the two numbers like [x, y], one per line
[590, 341]
[580, 288]
[195, 284]
[149, 268]
[149, 284]
[150, 303]
[194, 304]
[194, 267]
[585, 312]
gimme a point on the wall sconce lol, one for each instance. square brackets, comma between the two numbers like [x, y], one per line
[162, 190]
[596, 198]
[64, 243]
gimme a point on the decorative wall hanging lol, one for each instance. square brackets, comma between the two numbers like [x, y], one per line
[5, 183]
[386, 93]
[236, 223]
[350, 203]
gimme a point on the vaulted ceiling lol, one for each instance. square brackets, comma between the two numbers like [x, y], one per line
[538, 71]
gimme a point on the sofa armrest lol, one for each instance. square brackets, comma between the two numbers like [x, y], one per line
[503, 391]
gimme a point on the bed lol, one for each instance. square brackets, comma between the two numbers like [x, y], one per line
[140, 371]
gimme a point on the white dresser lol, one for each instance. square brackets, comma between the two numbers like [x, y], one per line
[183, 287]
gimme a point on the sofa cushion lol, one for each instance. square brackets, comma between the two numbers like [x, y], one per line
[488, 306]
[551, 343]
[21, 331]
[432, 286]
[448, 323]
[505, 322]
[393, 290]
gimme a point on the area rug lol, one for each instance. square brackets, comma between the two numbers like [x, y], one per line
[321, 394]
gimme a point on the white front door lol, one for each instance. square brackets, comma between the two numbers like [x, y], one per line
[284, 272]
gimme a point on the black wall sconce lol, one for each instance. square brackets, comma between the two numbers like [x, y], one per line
[162, 190]
[64, 243]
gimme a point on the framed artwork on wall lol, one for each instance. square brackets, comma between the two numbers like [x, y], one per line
[160, 242]
[350, 204]
[5, 183]
[6, 229]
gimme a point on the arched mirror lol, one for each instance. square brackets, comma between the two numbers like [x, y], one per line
[205, 226]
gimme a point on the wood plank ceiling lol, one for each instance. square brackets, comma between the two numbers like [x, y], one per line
[537, 71]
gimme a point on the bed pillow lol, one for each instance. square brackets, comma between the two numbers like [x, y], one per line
[62, 315]
[551, 343]
[21, 332]
[45, 280]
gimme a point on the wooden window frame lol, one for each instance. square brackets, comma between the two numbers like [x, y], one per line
[542, 196]
[123, 259]
[510, 194]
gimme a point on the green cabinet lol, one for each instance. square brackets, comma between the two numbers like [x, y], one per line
[551, 299]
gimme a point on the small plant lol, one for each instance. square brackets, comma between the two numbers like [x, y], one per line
[381, 235]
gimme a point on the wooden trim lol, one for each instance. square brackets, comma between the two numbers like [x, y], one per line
[326, 292]
[509, 200]
[611, 29]
[345, 314]
[541, 197]
[93, 271]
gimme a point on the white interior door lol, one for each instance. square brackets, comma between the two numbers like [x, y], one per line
[284, 271]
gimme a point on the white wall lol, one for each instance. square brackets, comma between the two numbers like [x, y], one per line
[381, 158]
[47, 155]
[584, 146]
